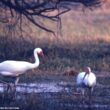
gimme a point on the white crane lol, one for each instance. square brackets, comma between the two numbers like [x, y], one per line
[11, 68]
[86, 79]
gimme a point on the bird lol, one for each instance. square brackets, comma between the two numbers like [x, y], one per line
[86, 80]
[14, 69]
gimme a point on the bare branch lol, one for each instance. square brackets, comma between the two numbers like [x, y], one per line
[40, 8]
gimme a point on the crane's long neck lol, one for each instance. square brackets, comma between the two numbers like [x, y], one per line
[36, 64]
[85, 75]
[87, 72]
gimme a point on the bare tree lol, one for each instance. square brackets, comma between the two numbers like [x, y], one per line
[14, 12]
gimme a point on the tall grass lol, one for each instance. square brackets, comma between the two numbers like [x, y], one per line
[85, 41]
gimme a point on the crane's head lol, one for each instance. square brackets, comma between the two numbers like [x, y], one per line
[87, 70]
[39, 51]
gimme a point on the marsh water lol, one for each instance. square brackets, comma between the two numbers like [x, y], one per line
[56, 95]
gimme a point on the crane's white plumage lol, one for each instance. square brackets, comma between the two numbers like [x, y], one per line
[86, 79]
[15, 68]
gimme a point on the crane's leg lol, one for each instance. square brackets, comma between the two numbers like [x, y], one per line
[90, 95]
[11, 88]
[83, 94]
[8, 88]
[17, 80]
[14, 86]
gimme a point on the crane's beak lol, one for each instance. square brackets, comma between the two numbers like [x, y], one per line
[85, 76]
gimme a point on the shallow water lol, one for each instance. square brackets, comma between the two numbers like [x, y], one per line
[56, 96]
[38, 87]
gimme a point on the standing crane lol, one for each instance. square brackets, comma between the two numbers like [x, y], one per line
[14, 69]
[86, 79]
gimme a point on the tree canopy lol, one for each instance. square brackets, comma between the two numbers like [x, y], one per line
[13, 11]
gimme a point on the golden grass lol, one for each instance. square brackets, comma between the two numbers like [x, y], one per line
[77, 27]
[84, 41]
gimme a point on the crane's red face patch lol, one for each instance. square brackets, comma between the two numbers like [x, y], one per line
[41, 53]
